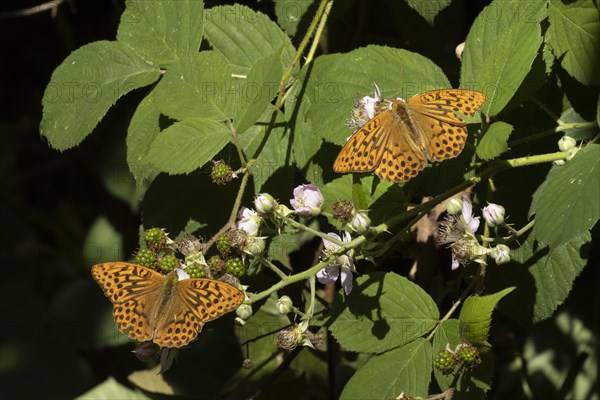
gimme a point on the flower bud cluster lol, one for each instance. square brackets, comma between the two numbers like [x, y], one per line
[458, 232]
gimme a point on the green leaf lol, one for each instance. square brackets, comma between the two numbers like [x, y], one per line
[85, 86]
[143, 129]
[500, 49]
[111, 389]
[273, 157]
[197, 87]
[256, 92]
[280, 247]
[162, 31]
[187, 145]
[305, 143]
[569, 203]
[406, 369]
[244, 36]
[338, 80]
[476, 316]
[289, 13]
[494, 141]
[598, 112]
[255, 333]
[102, 243]
[428, 9]
[543, 278]
[570, 116]
[384, 310]
[574, 35]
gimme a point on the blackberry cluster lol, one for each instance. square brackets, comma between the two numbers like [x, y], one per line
[235, 267]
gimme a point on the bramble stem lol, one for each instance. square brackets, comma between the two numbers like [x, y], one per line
[315, 232]
[272, 267]
[234, 211]
[412, 213]
[313, 48]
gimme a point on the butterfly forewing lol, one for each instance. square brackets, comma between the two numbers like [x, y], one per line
[444, 104]
[134, 291]
[364, 150]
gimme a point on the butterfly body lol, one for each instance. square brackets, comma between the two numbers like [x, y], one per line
[397, 142]
[163, 309]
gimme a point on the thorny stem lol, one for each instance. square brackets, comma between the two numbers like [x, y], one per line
[308, 273]
[272, 267]
[287, 75]
[417, 211]
[313, 48]
[278, 104]
[548, 132]
[315, 232]
[234, 211]
[454, 307]
[515, 234]
[234, 138]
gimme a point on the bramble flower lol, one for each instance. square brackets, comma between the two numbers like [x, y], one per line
[307, 200]
[458, 230]
[342, 267]
[501, 254]
[265, 203]
[181, 274]
[343, 210]
[361, 222]
[493, 214]
[566, 143]
[455, 206]
[288, 339]
[244, 311]
[255, 245]
[248, 221]
[284, 305]
[366, 108]
[189, 245]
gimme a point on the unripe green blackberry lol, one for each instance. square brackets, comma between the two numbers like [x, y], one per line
[196, 271]
[221, 173]
[235, 267]
[146, 258]
[155, 239]
[444, 361]
[468, 355]
[223, 245]
[168, 263]
[216, 265]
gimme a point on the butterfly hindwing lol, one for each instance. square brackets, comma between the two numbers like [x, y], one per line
[399, 162]
[197, 302]
[443, 140]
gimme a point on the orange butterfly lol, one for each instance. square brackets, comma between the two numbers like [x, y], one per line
[392, 142]
[168, 311]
